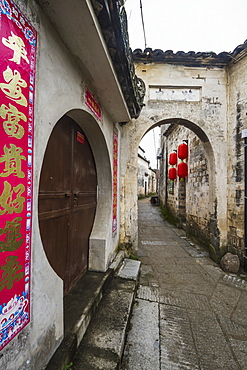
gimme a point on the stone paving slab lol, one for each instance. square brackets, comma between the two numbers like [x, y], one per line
[240, 350]
[129, 270]
[142, 349]
[102, 346]
[182, 268]
[238, 315]
[142, 253]
[179, 262]
[177, 344]
[148, 273]
[153, 242]
[191, 283]
[211, 345]
[148, 293]
[228, 297]
[195, 253]
[202, 320]
[212, 270]
[161, 253]
[185, 300]
[232, 329]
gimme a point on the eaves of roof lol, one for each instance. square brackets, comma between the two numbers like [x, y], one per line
[113, 22]
[191, 58]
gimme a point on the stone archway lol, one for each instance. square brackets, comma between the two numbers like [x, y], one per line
[215, 149]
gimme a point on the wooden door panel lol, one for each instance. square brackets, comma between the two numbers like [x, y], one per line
[56, 202]
[84, 169]
[84, 185]
[57, 166]
[82, 221]
[86, 198]
[67, 200]
[55, 243]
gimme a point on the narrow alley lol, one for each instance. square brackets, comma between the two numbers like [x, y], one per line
[188, 314]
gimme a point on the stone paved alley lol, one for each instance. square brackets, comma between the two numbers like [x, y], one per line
[188, 314]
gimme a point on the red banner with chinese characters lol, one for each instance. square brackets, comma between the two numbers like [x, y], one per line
[115, 175]
[17, 76]
[93, 105]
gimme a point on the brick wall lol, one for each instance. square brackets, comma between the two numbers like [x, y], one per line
[190, 199]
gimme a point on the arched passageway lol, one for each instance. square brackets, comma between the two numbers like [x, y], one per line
[213, 209]
[188, 95]
[189, 201]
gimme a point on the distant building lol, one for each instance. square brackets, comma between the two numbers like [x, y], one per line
[146, 176]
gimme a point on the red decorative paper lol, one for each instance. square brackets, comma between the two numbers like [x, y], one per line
[92, 104]
[115, 176]
[80, 138]
[17, 76]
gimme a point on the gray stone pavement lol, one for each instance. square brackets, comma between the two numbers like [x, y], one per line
[188, 313]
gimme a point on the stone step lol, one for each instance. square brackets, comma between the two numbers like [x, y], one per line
[103, 344]
[80, 305]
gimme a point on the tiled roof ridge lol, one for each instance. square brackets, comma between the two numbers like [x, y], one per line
[190, 57]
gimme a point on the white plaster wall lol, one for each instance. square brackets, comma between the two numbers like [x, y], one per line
[152, 185]
[60, 89]
[206, 117]
[128, 190]
[143, 176]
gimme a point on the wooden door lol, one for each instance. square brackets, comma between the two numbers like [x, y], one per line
[67, 200]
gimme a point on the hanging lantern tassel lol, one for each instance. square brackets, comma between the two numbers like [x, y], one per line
[173, 159]
[182, 169]
[183, 151]
[172, 174]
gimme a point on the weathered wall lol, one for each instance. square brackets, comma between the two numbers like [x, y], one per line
[237, 121]
[128, 183]
[198, 193]
[195, 97]
[143, 177]
[152, 184]
[146, 178]
[60, 89]
[188, 199]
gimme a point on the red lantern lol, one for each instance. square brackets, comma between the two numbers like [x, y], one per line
[182, 169]
[173, 159]
[183, 151]
[172, 174]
